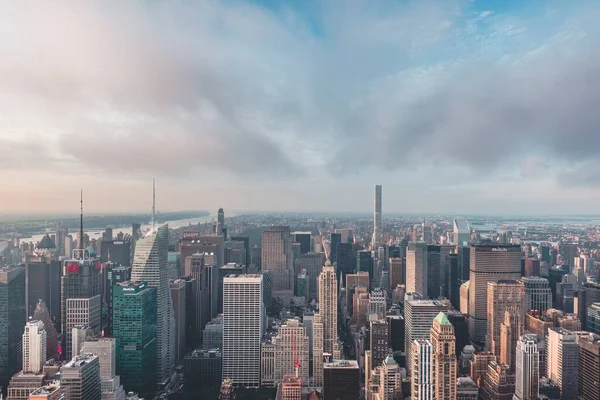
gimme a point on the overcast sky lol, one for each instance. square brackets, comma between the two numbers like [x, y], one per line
[453, 106]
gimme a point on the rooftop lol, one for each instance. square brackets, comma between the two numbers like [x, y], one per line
[442, 319]
[348, 364]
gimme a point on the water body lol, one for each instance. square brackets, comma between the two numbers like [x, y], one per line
[95, 234]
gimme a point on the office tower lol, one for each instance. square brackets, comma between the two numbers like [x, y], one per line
[212, 336]
[290, 388]
[461, 232]
[364, 263]
[150, 266]
[267, 363]
[352, 282]
[421, 361]
[200, 267]
[114, 274]
[328, 307]
[593, 321]
[434, 272]
[110, 383]
[589, 365]
[317, 351]
[34, 347]
[341, 380]
[378, 341]
[489, 263]
[243, 325]
[588, 295]
[419, 316]
[527, 368]
[502, 296]
[41, 314]
[416, 268]
[499, 382]
[532, 267]
[23, 383]
[345, 260]
[304, 238]
[42, 279]
[193, 243]
[135, 330]
[511, 330]
[223, 271]
[291, 345]
[81, 312]
[48, 392]
[80, 378]
[568, 252]
[360, 306]
[12, 321]
[191, 334]
[466, 389]
[377, 303]
[334, 239]
[177, 288]
[235, 252]
[538, 295]
[277, 258]
[202, 368]
[389, 379]
[443, 341]
[117, 251]
[562, 358]
[302, 289]
[377, 239]
[397, 272]
[396, 332]
[312, 263]
[79, 334]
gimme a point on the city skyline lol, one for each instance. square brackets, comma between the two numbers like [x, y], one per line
[427, 87]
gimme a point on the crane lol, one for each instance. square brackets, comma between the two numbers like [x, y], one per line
[296, 362]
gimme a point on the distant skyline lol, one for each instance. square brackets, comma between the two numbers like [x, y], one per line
[456, 107]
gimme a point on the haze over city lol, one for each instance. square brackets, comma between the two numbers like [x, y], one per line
[454, 106]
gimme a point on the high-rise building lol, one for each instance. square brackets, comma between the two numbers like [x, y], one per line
[328, 307]
[150, 266]
[81, 279]
[177, 287]
[532, 267]
[510, 332]
[317, 351]
[562, 358]
[538, 295]
[593, 318]
[243, 326]
[277, 258]
[377, 239]
[397, 272]
[443, 343]
[589, 365]
[201, 268]
[191, 334]
[202, 368]
[389, 379]
[193, 243]
[34, 347]
[134, 330]
[291, 345]
[12, 321]
[434, 272]
[377, 304]
[42, 279]
[110, 383]
[79, 334]
[419, 316]
[114, 274]
[416, 268]
[312, 263]
[527, 368]
[502, 296]
[422, 378]
[588, 295]
[81, 312]
[568, 252]
[396, 332]
[345, 260]
[304, 238]
[48, 392]
[80, 378]
[341, 380]
[117, 251]
[462, 232]
[41, 314]
[334, 239]
[489, 263]
[498, 383]
[364, 263]
[379, 341]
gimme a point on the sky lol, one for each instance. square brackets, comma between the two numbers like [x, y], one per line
[454, 106]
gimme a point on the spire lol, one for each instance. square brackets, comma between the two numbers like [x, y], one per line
[153, 204]
[81, 224]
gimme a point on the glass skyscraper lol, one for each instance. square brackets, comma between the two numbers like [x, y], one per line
[12, 321]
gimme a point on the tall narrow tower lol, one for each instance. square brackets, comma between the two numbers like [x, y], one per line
[34, 347]
[377, 234]
[443, 342]
[328, 307]
[528, 368]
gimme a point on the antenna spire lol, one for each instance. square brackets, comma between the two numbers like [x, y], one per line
[153, 204]
[81, 224]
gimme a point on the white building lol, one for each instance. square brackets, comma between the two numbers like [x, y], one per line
[462, 232]
[150, 265]
[110, 383]
[34, 347]
[377, 239]
[562, 361]
[291, 338]
[422, 385]
[378, 303]
[317, 372]
[527, 368]
[82, 312]
[416, 268]
[243, 326]
[538, 295]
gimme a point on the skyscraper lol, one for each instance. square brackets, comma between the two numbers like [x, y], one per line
[377, 228]
[416, 268]
[135, 333]
[341, 380]
[562, 358]
[379, 341]
[277, 257]
[110, 383]
[421, 360]
[328, 307]
[34, 347]
[538, 295]
[317, 351]
[12, 321]
[81, 312]
[461, 232]
[489, 263]
[312, 263]
[80, 378]
[502, 296]
[291, 345]
[527, 368]
[397, 272]
[150, 266]
[443, 342]
[589, 364]
[243, 326]
[345, 260]
[177, 287]
[41, 314]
